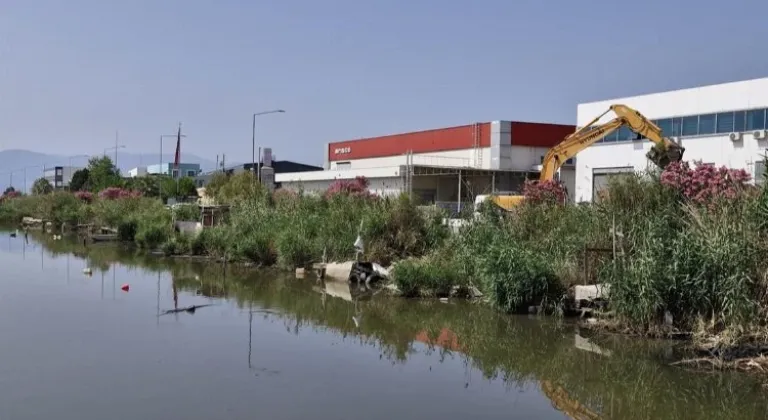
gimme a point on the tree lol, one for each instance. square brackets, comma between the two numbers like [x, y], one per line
[181, 188]
[187, 187]
[102, 173]
[41, 187]
[79, 180]
[149, 186]
[9, 190]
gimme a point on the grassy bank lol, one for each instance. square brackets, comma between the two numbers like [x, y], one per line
[691, 255]
[267, 229]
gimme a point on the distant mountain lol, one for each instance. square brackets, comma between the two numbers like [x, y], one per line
[14, 162]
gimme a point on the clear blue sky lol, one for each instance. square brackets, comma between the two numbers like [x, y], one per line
[74, 71]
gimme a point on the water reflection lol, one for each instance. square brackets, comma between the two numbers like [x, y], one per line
[582, 376]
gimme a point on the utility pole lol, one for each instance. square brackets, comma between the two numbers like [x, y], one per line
[116, 147]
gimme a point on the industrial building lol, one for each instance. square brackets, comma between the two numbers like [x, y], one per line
[166, 168]
[60, 176]
[446, 166]
[723, 124]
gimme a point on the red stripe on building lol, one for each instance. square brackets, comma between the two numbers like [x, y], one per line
[438, 140]
[538, 134]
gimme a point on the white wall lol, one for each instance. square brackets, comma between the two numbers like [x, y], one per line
[379, 186]
[136, 172]
[700, 100]
[518, 158]
[717, 148]
[456, 158]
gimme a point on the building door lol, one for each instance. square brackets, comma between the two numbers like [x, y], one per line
[602, 176]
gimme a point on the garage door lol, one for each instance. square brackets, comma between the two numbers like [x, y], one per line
[601, 176]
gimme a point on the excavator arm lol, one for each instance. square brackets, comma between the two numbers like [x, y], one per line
[663, 152]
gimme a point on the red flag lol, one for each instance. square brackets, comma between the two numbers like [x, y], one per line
[177, 158]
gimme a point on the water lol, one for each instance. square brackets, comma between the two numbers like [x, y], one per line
[272, 347]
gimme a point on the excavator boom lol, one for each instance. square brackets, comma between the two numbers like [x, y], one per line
[663, 152]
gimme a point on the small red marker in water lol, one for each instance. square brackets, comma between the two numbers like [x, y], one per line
[125, 287]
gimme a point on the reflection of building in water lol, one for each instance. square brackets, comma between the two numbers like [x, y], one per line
[447, 339]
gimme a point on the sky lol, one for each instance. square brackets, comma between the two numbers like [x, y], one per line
[75, 72]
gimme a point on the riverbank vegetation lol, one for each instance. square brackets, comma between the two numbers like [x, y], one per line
[682, 251]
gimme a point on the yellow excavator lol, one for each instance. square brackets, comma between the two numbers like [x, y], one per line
[663, 152]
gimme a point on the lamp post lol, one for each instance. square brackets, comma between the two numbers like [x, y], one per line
[115, 148]
[253, 140]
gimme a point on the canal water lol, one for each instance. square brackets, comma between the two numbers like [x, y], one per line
[76, 346]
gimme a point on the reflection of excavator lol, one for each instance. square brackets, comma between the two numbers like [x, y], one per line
[663, 152]
[563, 402]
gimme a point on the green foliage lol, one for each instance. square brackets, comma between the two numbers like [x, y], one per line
[427, 276]
[187, 187]
[102, 173]
[186, 212]
[41, 186]
[148, 186]
[79, 180]
[235, 189]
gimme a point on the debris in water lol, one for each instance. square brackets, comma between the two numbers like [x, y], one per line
[125, 287]
[188, 309]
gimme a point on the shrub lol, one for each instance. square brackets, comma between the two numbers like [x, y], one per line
[115, 193]
[425, 276]
[357, 187]
[544, 192]
[705, 183]
[84, 196]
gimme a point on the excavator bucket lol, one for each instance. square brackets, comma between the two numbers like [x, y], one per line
[672, 152]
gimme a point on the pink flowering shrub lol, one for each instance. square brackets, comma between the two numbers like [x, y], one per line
[114, 193]
[356, 188]
[544, 192]
[9, 195]
[84, 196]
[705, 183]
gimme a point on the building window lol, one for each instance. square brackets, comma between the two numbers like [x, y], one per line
[707, 124]
[191, 173]
[725, 122]
[666, 126]
[739, 121]
[756, 119]
[677, 127]
[175, 173]
[690, 126]
[693, 125]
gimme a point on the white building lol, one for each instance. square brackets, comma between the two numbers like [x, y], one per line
[721, 124]
[60, 176]
[447, 166]
[137, 172]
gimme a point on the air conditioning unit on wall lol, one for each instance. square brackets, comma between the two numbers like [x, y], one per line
[760, 134]
[735, 136]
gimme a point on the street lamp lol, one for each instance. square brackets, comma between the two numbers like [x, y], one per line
[253, 140]
[115, 147]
